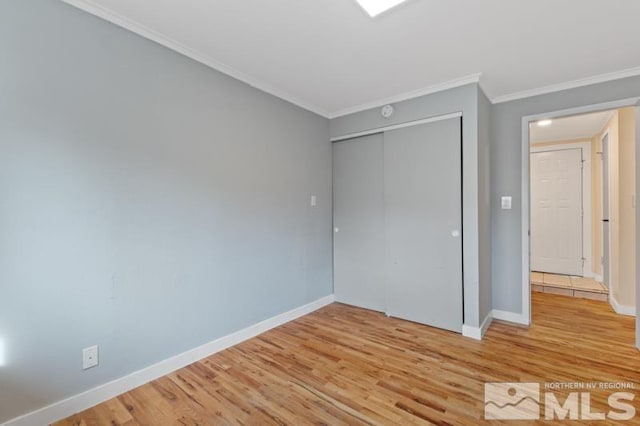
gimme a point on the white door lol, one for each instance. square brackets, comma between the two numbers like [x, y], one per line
[423, 216]
[556, 212]
[358, 217]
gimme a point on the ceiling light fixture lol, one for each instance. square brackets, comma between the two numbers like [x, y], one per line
[376, 7]
[544, 123]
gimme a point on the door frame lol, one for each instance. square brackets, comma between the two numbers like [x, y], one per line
[396, 126]
[525, 316]
[587, 222]
[607, 134]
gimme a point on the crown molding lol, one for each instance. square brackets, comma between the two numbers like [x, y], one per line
[92, 8]
[601, 78]
[473, 78]
[139, 29]
[163, 40]
[612, 113]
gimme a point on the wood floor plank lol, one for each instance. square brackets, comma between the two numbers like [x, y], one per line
[345, 365]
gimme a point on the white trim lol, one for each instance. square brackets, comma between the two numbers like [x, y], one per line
[451, 84]
[621, 309]
[606, 134]
[587, 222]
[602, 78]
[137, 28]
[396, 126]
[524, 188]
[477, 333]
[486, 323]
[97, 395]
[512, 317]
[524, 232]
[611, 114]
[471, 332]
[109, 15]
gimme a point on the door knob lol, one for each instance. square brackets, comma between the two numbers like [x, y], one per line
[455, 233]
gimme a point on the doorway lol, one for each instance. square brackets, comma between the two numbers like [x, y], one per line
[579, 212]
[563, 198]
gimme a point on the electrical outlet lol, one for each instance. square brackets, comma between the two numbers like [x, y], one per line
[89, 357]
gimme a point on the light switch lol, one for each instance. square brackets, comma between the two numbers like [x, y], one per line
[314, 201]
[506, 203]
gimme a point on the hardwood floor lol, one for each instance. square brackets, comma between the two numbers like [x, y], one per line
[344, 365]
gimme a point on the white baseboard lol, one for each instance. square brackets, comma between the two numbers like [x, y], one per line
[471, 332]
[510, 317]
[593, 276]
[621, 309]
[477, 332]
[97, 395]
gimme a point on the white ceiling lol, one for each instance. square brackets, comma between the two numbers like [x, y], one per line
[331, 57]
[583, 126]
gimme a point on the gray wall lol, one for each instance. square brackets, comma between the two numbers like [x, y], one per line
[148, 204]
[484, 203]
[461, 99]
[506, 173]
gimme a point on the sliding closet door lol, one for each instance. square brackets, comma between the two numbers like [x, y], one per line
[422, 190]
[358, 219]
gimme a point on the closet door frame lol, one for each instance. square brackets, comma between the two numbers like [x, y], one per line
[417, 123]
[396, 126]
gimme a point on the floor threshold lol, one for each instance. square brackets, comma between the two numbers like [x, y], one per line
[566, 285]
